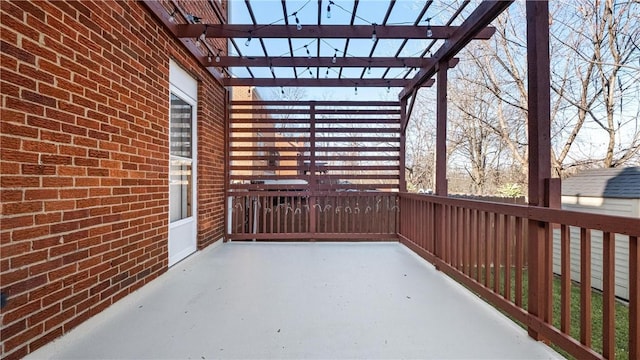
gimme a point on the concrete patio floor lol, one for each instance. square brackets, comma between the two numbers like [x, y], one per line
[300, 300]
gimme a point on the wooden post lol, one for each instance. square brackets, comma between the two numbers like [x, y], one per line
[441, 159]
[441, 130]
[313, 183]
[227, 166]
[404, 119]
[539, 150]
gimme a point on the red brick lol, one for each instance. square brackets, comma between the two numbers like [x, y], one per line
[43, 315]
[39, 146]
[24, 337]
[21, 208]
[14, 223]
[17, 79]
[13, 329]
[8, 278]
[46, 338]
[28, 259]
[17, 130]
[53, 297]
[17, 52]
[30, 169]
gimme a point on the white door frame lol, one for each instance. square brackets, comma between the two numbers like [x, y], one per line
[183, 233]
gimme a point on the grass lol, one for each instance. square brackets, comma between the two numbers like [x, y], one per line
[621, 315]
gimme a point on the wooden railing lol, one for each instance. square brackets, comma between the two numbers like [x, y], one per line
[292, 215]
[486, 247]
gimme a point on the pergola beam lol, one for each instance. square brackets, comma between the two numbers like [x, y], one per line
[475, 24]
[323, 31]
[235, 61]
[315, 82]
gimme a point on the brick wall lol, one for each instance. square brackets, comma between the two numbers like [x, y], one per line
[84, 161]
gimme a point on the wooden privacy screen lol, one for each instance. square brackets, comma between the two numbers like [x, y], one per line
[313, 170]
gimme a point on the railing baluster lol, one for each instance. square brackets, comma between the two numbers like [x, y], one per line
[585, 286]
[454, 236]
[548, 273]
[487, 249]
[466, 222]
[519, 257]
[608, 294]
[480, 247]
[473, 243]
[565, 292]
[496, 252]
[508, 238]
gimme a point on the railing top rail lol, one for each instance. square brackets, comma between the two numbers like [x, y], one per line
[284, 193]
[607, 223]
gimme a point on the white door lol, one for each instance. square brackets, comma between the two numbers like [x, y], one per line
[182, 165]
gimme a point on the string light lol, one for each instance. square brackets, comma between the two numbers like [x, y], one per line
[310, 72]
[388, 86]
[246, 43]
[198, 43]
[329, 9]
[172, 16]
[374, 36]
[218, 56]
[298, 25]
[209, 58]
[334, 58]
[308, 53]
[429, 30]
[282, 90]
[326, 75]
[203, 36]
[369, 68]
[193, 19]
[356, 89]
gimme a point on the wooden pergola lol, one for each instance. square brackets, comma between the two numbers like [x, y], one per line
[209, 43]
[448, 219]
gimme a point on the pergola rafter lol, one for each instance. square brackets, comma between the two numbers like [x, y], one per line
[315, 82]
[229, 61]
[258, 31]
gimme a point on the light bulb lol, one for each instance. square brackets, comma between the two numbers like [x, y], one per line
[326, 74]
[172, 18]
[209, 58]
[198, 44]
[374, 37]
[329, 11]
[429, 32]
[369, 70]
[246, 43]
[334, 59]
[203, 36]
[298, 25]
[388, 89]
[218, 58]
[356, 90]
